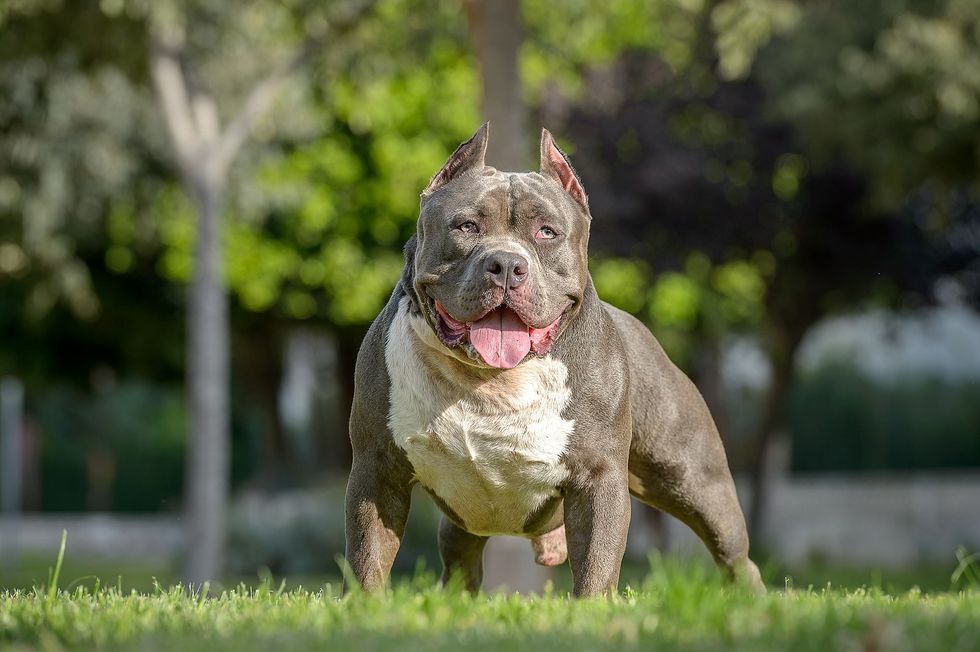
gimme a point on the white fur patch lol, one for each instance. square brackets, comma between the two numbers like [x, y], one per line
[487, 443]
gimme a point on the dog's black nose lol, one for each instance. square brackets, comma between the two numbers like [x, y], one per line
[506, 269]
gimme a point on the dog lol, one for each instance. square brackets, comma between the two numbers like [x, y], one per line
[497, 379]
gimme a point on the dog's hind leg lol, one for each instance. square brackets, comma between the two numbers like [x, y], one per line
[462, 554]
[703, 497]
[677, 461]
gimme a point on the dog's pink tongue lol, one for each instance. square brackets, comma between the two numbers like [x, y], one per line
[501, 338]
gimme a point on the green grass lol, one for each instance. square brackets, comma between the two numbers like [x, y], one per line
[143, 575]
[678, 606]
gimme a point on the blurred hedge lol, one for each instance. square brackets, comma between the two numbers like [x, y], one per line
[131, 434]
[841, 420]
[122, 447]
[301, 532]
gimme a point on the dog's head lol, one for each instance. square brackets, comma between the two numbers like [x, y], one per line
[500, 263]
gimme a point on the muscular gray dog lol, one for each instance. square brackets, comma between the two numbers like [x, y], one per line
[497, 379]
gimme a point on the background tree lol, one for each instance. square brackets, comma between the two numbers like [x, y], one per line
[65, 160]
[497, 32]
[891, 91]
[205, 151]
[320, 228]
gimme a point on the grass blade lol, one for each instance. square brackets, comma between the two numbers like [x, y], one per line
[53, 584]
[967, 568]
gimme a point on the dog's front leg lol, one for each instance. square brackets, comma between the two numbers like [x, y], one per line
[376, 509]
[597, 516]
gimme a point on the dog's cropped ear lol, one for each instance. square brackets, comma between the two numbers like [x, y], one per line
[555, 166]
[467, 156]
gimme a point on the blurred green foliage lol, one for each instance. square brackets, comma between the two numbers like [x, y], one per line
[328, 189]
[315, 228]
[905, 74]
[679, 304]
[563, 45]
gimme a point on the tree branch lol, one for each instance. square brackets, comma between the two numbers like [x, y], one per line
[265, 92]
[258, 101]
[204, 108]
[171, 85]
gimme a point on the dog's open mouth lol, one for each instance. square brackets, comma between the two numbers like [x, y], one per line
[500, 337]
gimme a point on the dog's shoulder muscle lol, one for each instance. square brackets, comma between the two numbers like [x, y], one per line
[666, 405]
[599, 378]
[369, 411]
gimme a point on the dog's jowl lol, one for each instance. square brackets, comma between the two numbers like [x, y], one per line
[498, 380]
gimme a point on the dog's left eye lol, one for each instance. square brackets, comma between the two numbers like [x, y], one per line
[545, 233]
[468, 227]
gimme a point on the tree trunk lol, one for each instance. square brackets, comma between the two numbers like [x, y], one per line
[497, 32]
[259, 353]
[204, 153]
[336, 446]
[208, 446]
[782, 355]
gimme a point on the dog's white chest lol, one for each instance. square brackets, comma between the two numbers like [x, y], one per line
[490, 450]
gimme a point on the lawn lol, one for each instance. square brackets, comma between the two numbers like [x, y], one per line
[678, 606]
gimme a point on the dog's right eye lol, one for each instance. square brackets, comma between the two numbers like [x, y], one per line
[469, 227]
